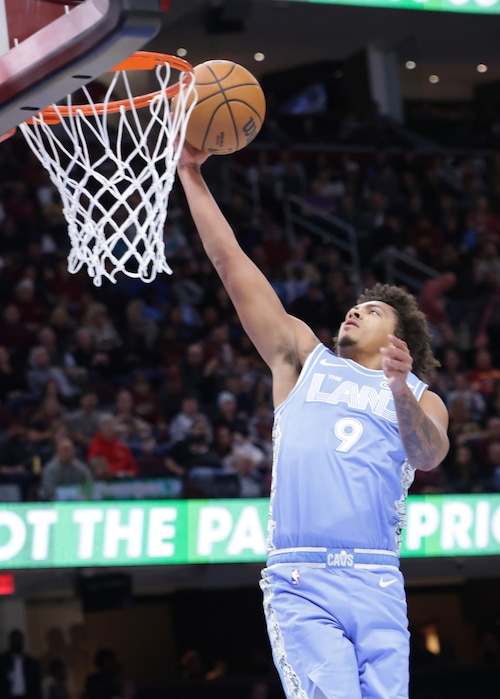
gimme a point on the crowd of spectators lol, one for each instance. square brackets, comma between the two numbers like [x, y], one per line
[143, 381]
[457, 124]
[22, 675]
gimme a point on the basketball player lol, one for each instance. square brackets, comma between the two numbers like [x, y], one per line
[350, 428]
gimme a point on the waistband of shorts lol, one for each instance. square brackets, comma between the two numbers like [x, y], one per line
[335, 557]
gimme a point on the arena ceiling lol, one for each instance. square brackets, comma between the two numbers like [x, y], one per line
[290, 33]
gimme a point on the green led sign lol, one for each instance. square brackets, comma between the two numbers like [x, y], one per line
[169, 532]
[132, 533]
[470, 6]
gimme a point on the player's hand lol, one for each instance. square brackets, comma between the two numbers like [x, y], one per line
[397, 362]
[191, 156]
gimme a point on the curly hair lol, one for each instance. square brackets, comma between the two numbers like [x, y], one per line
[411, 326]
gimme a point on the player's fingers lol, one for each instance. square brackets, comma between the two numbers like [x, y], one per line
[390, 365]
[398, 342]
[396, 353]
[401, 361]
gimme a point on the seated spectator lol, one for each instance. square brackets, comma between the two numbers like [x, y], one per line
[488, 331]
[390, 234]
[262, 389]
[97, 362]
[60, 357]
[83, 423]
[426, 240]
[107, 454]
[66, 287]
[187, 293]
[52, 390]
[100, 470]
[311, 306]
[149, 462]
[483, 376]
[429, 482]
[275, 247]
[42, 371]
[494, 401]
[14, 333]
[432, 302]
[182, 422]
[486, 267]
[223, 441]
[13, 384]
[175, 334]
[194, 450]
[130, 429]
[491, 472]
[145, 400]
[101, 327]
[175, 242]
[171, 392]
[246, 366]
[219, 349]
[472, 399]
[46, 337]
[296, 283]
[33, 310]
[19, 203]
[198, 374]
[462, 427]
[227, 413]
[480, 442]
[261, 427]
[465, 472]
[17, 460]
[45, 425]
[240, 384]
[63, 325]
[63, 469]
[445, 376]
[248, 461]
[143, 321]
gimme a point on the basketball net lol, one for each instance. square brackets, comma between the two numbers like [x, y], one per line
[115, 175]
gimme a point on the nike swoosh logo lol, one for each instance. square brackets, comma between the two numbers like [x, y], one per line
[325, 362]
[386, 583]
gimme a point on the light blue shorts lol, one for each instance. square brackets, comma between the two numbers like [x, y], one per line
[337, 632]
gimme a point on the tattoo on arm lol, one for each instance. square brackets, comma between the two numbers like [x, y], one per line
[419, 435]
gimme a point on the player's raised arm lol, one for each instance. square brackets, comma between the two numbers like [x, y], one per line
[278, 337]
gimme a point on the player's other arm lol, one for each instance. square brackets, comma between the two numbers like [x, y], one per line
[423, 428]
[281, 339]
[423, 425]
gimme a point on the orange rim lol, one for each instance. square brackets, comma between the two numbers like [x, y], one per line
[140, 60]
[7, 135]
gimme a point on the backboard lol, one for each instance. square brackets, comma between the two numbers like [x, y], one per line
[50, 48]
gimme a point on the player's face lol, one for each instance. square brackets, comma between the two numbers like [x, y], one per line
[365, 330]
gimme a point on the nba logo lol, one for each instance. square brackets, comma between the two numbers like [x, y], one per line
[295, 576]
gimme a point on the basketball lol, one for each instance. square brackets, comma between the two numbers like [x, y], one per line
[230, 109]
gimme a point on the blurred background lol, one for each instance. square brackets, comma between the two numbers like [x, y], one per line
[126, 409]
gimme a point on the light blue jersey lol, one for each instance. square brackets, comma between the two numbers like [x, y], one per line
[340, 474]
[334, 596]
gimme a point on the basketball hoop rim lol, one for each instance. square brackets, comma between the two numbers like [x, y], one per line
[140, 60]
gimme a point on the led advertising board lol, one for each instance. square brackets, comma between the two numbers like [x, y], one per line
[169, 532]
[467, 6]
